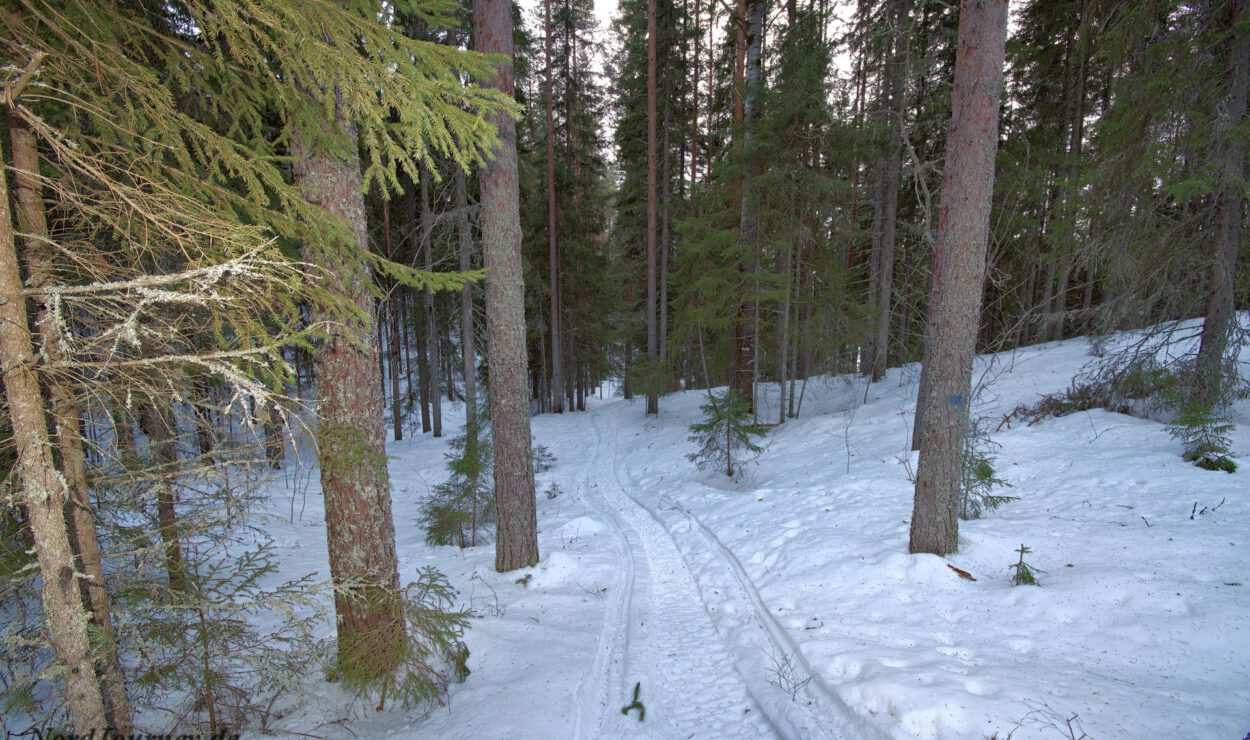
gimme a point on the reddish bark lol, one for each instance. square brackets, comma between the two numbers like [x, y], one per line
[516, 544]
[959, 273]
[351, 437]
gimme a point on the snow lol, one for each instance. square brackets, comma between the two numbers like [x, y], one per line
[722, 599]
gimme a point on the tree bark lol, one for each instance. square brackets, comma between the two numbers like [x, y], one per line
[516, 544]
[351, 441]
[161, 430]
[44, 493]
[32, 220]
[745, 321]
[392, 310]
[653, 399]
[1229, 221]
[421, 329]
[431, 316]
[467, 339]
[891, 175]
[783, 340]
[694, 115]
[553, 247]
[959, 272]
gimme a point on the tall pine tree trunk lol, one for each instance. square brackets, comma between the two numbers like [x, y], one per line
[553, 247]
[44, 492]
[467, 339]
[959, 272]
[653, 399]
[422, 330]
[351, 442]
[694, 114]
[431, 310]
[783, 339]
[161, 429]
[1229, 222]
[891, 176]
[516, 545]
[392, 311]
[745, 322]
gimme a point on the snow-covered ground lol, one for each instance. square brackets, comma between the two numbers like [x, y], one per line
[722, 599]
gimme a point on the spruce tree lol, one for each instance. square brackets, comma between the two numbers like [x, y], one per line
[725, 434]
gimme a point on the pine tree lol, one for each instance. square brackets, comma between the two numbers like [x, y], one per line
[955, 303]
[516, 545]
[632, 228]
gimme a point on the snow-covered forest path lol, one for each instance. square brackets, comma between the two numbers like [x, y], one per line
[785, 605]
[657, 633]
[686, 614]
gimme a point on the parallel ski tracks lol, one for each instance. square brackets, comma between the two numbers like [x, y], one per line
[657, 631]
[755, 641]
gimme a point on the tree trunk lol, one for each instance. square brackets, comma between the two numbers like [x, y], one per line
[694, 114]
[351, 441]
[516, 544]
[783, 341]
[1219, 320]
[65, 417]
[161, 428]
[891, 176]
[465, 232]
[392, 309]
[626, 390]
[708, 149]
[959, 272]
[653, 399]
[275, 436]
[44, 493]
[435, 363]
[553, 248]
[665, 235]
[745, 321]
[423, 358]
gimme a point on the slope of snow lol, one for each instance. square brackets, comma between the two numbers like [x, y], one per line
[722, 599]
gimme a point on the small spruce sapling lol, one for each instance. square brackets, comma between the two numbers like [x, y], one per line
[1025, 574]
[465, 502]
[978, 479]
[636, 704]
[726, 432]
[1204, 432]
[542, 459]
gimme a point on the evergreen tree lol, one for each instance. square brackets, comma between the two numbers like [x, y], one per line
[725, 434]
[516, 545]
[955, 304]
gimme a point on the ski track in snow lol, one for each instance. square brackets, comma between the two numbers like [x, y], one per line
[658, 632]
[744, 623]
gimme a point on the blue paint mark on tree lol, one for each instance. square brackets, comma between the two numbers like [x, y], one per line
[956, 400]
